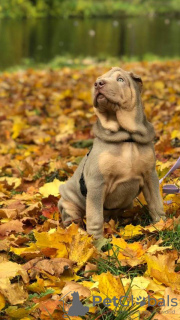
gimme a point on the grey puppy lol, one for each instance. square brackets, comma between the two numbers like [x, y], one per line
[121, 162]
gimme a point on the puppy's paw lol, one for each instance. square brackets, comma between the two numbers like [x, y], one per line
[157, 218]
[96, 233]
[163, 217]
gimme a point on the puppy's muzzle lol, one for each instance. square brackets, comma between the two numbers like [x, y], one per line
[99, 83]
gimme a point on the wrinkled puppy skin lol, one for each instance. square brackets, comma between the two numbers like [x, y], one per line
[115, 171]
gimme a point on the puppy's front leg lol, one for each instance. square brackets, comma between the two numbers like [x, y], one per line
[94, 208]
[153, 197]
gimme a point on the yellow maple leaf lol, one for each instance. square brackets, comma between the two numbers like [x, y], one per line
[59, 239]
[81, 249]
[51, 188]
[29, 252]
[161, 268]
[109, 287]
[130, 231]
[138, 286]
[156, 288]
[128, 253]
[54, 240]
[138, 289]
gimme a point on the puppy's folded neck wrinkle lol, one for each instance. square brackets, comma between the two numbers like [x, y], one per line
[123, 135]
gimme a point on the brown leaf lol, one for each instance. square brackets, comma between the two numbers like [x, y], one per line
[90, 269]
[4, 244]
[72, 286]
[48, 307]
[31, 210]
[31, 263]
[55, 266]
[8, 213]
[16, 204]
[11, 226]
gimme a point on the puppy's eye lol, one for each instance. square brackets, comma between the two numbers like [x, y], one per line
[120, 79]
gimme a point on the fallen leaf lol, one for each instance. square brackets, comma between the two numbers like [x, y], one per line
[8, 213]
[29, 252]
[90, 269]
[130, 231]
[11, 226]
[161, 268]
[51, 188]
[55, 266]
[14, 293]
[70, 287]
[12, 181]
[109, 286]
[131, 254]
[171, 309]
[10, 270]
[81, 250]
[16, 313]
[155, 248]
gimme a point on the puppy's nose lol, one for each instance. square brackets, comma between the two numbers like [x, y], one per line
[99, 83]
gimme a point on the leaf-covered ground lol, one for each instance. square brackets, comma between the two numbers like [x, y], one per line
[46, 120]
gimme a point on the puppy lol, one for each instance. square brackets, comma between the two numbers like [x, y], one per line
[121, 162]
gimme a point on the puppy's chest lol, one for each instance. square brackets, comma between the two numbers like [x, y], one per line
[125, 161]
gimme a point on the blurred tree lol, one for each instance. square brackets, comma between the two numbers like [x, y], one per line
[41, 8]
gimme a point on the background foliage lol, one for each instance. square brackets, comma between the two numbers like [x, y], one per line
[65, 8]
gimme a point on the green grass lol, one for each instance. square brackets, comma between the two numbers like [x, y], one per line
[171, 238]
[113, 265]
[83, 62]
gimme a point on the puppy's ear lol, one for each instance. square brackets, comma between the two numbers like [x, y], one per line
[137, 79]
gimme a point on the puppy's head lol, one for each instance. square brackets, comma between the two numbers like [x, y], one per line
[117, 101]
[117, 87]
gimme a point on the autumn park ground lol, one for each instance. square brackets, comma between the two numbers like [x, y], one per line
[46, 119]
